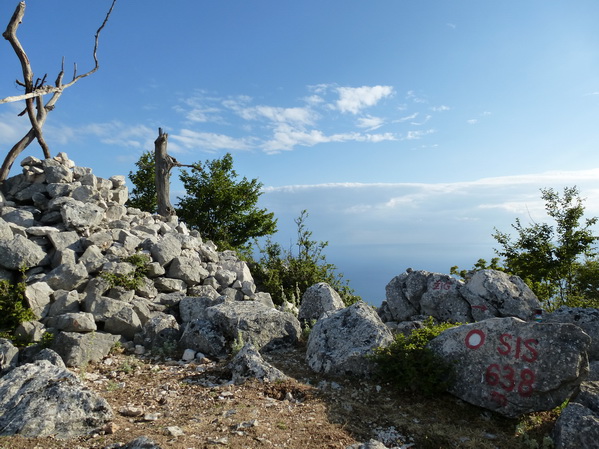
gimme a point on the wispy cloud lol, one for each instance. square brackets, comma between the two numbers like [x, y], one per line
[328, 114]
[210, 142]
[119, 134]
[370, 123]
[415, 135]
[355, 99]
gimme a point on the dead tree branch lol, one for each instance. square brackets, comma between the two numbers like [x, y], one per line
[34, 92]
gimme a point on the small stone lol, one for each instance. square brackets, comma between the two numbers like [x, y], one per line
[131, 411]
[188, 355]
[151, 416]
[174, 431]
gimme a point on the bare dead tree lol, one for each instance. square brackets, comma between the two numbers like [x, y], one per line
[35, 108]
[164, 165]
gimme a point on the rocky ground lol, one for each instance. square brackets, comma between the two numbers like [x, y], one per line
[183, 406]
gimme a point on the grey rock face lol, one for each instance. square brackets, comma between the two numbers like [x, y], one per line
[166, 249]
[340, 340]
[318, 299]
[578, 424]
[513, 367]
[40, 399]
[501, 294]
[78, 215]
[203, 336]
[487, 294]
[67, 277]
[125, 323]
[159, 330]
[249, 364]
[194, 308]
[78, 349]
[38, 297]
[187, 269]
[585, 318]
[255, 323]
[19, 252]
[73, 322]
[9, 356]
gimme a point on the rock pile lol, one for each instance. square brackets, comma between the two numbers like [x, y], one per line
[487, 294]
[98, 271]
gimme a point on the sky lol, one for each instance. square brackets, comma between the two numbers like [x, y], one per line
[409, 130]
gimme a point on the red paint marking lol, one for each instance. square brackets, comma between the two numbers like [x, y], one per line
[499, 398]
[475, 339]
[483, 308]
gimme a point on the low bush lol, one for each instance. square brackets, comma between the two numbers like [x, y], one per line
[13, 306]
[408, 364]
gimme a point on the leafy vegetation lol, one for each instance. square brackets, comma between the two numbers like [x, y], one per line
[224, 210]
[221, 208]
[143, 195]
[558, 261]
[133, 279]
[408, 364]
[286, 274]
[13, 306]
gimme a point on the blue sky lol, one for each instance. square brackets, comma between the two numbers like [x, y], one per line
[407, 129]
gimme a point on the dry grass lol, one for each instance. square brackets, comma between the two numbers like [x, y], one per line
[307, 411]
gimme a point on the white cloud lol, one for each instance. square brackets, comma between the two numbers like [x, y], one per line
[355, 99]
[472, 121]
[120, 134]
[299, 116]
[407, 118]
[422, 122]
[441, 108]
[286, 138]
[13, 127]
[415, 135]
[370, 123]
[190, 139]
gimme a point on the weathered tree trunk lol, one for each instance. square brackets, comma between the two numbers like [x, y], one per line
[35, 91]
[163, 173]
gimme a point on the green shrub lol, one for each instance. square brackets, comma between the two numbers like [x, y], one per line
[286, 274]
[13, 306]
[409, 365]
[132, 280]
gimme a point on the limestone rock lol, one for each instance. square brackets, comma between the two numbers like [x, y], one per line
[340, 340]
[40, 399]
[495, 293]
[585, 318]
[318, 299]
[159, 330]
[78, 349]
[38, 296]
[255, 323]
[513, 367]
[194, 308]
[165, 250]
[249, 364]
[73, 322]
[125, 323]
[9, 355]
[67, 277]
[203, 336]
[487, 294]
[19, 252]
[78, 215]
[578, 424]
